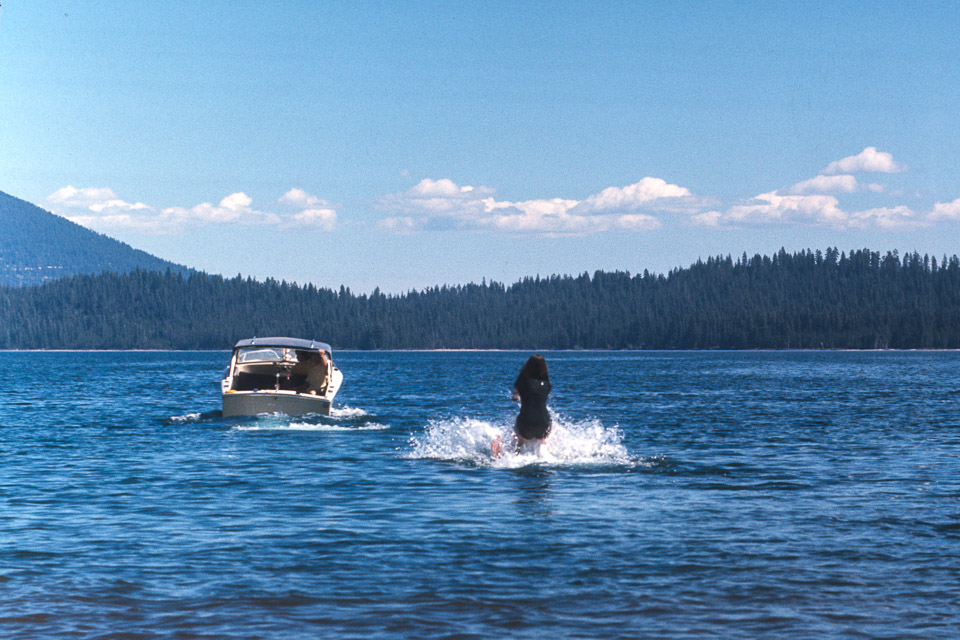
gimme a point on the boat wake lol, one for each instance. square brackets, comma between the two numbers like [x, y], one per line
[340, 419]
[571, 442]
[347, 413]
[343, 418]
[190, 418]
[309, 426]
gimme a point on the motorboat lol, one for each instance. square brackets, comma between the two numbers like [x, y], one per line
[279, 375]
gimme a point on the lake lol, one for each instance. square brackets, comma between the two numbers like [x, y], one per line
[681, 495]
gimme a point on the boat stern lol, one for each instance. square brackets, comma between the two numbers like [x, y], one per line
[251, 403]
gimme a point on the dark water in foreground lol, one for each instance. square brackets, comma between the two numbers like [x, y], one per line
[682, 495]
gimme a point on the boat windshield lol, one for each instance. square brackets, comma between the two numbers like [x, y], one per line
[267, 354]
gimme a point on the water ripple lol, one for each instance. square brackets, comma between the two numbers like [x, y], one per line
[681, 496]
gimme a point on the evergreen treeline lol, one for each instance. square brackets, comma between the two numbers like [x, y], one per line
[810, 299]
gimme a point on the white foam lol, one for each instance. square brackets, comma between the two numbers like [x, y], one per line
[570, 443]
[347, 412]
[310, 426]
[189, 417]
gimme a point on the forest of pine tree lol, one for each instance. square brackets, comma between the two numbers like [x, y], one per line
[806, 300]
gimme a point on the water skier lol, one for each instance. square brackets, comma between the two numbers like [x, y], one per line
[531, 390]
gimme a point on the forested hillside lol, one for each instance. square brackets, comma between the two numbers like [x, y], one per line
[860, 300]
[37, 246]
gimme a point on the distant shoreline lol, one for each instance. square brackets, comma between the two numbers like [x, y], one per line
[757, 350]
[806, 301]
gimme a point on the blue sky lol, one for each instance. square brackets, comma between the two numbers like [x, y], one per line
[403, 145]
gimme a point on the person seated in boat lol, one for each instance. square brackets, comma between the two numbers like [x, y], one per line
[531, 390]
[312, 365]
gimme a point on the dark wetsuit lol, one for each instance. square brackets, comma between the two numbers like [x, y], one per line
[533, 423]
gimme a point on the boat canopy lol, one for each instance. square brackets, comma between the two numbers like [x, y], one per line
[289, 343]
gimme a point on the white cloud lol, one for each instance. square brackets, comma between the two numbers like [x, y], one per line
[318, 219]
[945, 211]
[899, 217]
[634, 196]
[81, 197]
[301, 199]
[117, 205]
[236, 202]
[101, 209]
[774, 208]
[821, 210]
[99, 200]
[315, 213]
[442, 188]
[234, 208]
[814, 201]
[843, 183]
[867, 161]
[638, 222]
[443, 204]
[515, 220]
[708, 219]
[435, 204]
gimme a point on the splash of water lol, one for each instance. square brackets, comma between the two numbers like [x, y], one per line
[570, 443]
[347, 413]
[190, 418]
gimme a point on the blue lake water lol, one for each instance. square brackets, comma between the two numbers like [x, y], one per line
[681, 495]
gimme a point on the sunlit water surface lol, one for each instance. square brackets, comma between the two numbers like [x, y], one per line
[681, 495]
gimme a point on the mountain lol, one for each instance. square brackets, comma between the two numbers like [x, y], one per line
[37, 246]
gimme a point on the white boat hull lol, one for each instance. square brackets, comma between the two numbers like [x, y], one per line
[251, 403]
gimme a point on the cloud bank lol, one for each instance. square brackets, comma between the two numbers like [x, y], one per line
[814, 201]
[443, 204]
[823, 200]
[820, 201]
[100, 208]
